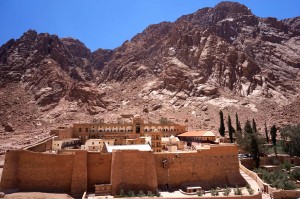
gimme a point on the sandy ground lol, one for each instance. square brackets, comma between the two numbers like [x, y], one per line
[37, 195]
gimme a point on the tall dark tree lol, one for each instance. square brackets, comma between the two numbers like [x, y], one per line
[222, 126]
[254, 126]
[238, 124]
[255, 149]
[230, 129]
[273, 134]
[247, 128]
[266, 132]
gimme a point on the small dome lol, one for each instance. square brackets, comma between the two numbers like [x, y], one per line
[136, 116]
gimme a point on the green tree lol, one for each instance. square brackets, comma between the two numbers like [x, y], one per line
[237, 122]
[254, 126]
[295, 173]
[291, 139]
[230, 129]
[266, 132]
[273, 134]
[222, 126]
[255, 149]
[247, 128]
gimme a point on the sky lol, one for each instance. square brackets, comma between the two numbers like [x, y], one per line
[108, 23]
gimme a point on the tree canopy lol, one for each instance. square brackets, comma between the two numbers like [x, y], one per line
[291, 139]
[230, 129]
[273, 134]
[222, 126]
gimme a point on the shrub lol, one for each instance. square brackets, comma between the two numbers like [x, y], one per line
[157, 194]
[251, 191]
[238, 191]
[248, 186]
[227, 191]
[295, 173]
[121, 194]
[200, 193]
[131, 194]
[141, 194]
[214, 192]
[150, 194]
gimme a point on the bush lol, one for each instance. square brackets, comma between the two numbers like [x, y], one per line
[238, 191]
[250, 191]
[131, 194]
[150, 194]
[214, 192]
[200, 193]
[278, 179]
[227, 191]
[295, 173]
[248, 186]
[157, 194]
[121, 194]
[141, 194]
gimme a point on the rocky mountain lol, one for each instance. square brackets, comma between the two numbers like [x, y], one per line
[216, 58]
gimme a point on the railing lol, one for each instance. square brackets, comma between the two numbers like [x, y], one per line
[263, 186]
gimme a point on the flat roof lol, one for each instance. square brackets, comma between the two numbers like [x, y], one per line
[140, 147]
[197, 134]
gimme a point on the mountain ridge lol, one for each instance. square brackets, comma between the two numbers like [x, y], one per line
[216, 58]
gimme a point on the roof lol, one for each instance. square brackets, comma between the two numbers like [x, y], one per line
[167, 139]
[140, 147]
[197, 134]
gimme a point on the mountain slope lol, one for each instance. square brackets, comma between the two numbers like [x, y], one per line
[216, 58]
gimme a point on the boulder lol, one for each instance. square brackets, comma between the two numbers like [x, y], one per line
[8, 127]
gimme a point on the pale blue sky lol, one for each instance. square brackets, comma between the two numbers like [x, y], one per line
[108, 23]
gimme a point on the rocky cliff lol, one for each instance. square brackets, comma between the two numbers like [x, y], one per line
[216, 58]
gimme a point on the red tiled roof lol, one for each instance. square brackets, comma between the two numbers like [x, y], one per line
[197, 134]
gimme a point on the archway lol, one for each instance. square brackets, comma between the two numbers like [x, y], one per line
[137, 128]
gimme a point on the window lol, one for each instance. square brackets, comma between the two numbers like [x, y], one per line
[79, 129]
[92, 143]
[86, 130]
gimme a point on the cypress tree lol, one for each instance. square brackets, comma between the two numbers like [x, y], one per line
[254, 126]
[247, 128]
[266, 132]
[255, 149]
[222, 127]
[230, 129]
[237, 122]
[273, 134]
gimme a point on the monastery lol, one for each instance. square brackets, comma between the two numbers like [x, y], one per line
[106, 158]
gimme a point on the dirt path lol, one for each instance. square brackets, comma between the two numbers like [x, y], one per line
[37, 195]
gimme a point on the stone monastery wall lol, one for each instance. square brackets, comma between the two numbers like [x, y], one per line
[98, 169]
[133, 170]
[217, 166]
[78, 171]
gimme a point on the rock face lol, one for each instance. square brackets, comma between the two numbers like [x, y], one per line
[221, 56]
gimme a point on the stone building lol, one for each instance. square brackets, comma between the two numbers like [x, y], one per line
[120, 131]
[68, 143]
[127, 167]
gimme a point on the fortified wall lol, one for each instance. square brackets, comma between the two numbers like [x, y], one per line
[78, 171]
[217, 166]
